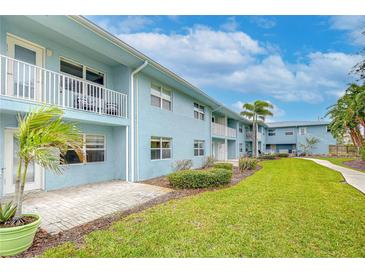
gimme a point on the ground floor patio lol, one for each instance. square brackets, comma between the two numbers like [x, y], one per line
[66, 208]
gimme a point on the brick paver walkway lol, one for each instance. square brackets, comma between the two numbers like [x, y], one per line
[67, 208]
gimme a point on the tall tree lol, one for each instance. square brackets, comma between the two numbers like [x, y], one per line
[348, 114]
[43, 136]
[257, 112]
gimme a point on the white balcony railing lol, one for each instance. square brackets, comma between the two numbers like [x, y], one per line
[249, 135]
[222, 130]
[32, 83]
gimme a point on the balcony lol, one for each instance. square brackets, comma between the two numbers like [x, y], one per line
[27, 82]
[249, 135]
[224, 131]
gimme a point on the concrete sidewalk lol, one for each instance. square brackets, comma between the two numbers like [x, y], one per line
[352, 177]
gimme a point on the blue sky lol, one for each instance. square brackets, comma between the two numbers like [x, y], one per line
[298, 63]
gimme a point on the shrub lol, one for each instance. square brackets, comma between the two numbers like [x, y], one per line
[182, 165]
[227, 166]
[208, 162]
[247, 163]
[200, 178]
[282, 155]
[267, 157]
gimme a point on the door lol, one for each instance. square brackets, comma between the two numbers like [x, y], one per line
[24, 77]
[34, 174]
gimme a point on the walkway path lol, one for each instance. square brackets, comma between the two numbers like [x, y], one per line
[352, 177]
[70, 207]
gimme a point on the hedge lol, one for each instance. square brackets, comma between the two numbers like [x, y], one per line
[267, 157]
[227, 166]
[200, 178]
[282, 155]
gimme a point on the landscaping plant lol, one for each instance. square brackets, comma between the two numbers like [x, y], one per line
[7, 212]
[256, 112]
[227, 166]
[208, 162]
[246, 163]
[43, 137]
[267, 157]
[309, 145]
[183, 165]
[282, 155]
[200, 178]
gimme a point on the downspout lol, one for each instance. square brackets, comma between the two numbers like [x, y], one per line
[132, 118]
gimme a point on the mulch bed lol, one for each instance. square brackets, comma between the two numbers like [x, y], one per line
[357, 164]
[43, 240]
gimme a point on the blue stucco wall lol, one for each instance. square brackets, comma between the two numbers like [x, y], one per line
[318, 131]
[179, 124]
[112, 168]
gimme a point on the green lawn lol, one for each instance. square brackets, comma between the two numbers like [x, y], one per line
[290, 208]
[339, 162]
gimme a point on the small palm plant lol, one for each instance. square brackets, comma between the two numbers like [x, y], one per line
[257, 112]
[43, 136]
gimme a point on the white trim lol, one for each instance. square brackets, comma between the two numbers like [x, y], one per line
[161, 139]
[84, 68]
[132, 133]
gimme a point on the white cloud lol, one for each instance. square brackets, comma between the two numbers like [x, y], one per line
[277, 111]
[231, 24]
[125, 24]
[263, 22]
[235, 61]
[353, 25]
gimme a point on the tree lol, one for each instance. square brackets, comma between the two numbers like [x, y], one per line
[348, 114]
[256, 112]
[43, 136]
[309, 145]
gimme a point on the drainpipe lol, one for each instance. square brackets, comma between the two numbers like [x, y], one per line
[132, 118]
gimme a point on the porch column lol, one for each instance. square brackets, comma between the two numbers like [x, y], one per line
[127, 153]
[225, 138]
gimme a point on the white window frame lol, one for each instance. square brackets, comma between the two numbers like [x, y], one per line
[160, 94]
[304, 131]
[84, 149]
[84, 68]
[199, 149]
[271, 132]
[199, 111]
[161, 139]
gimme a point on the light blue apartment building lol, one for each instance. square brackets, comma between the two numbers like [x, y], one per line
[137, 117]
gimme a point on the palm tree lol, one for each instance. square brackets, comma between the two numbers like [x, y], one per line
[256, 112]
[43, 137]
[348, 114]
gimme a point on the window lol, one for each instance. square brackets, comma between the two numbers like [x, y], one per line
[81, 71]
[302, 130]
[241, 147]
[271, 132]
[289, 133]
[94, 150]
[199, 112]
[161, 148]
[199, 147]
[240, 129]
[161, 97]
[328, 129]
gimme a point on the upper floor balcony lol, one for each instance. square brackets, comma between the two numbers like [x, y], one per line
[249, 135]
[224, 131]
[27, 82]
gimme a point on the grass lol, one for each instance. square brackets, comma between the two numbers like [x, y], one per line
[340, 162]
[290, 208]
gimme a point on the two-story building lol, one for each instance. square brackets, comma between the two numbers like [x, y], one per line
[288, 137]
[137, 117]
